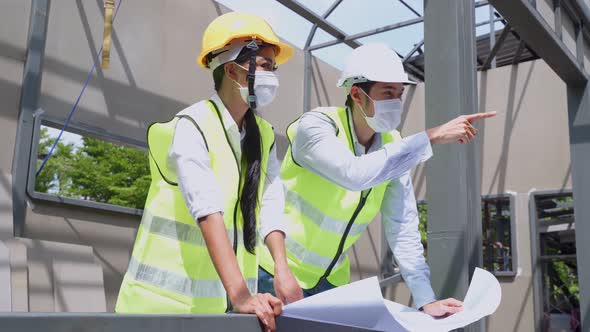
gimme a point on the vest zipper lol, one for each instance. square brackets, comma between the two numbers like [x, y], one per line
[355, 214]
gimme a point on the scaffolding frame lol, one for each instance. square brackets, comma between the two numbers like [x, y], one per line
[450, 87]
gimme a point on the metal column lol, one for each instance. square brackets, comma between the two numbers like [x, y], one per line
[30, 91]
[578, 98]
[453, 174]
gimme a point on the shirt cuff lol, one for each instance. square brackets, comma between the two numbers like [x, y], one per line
[423, 295]
[265, 231]
[204, 212]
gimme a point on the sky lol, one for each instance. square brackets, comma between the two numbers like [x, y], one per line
[351, 16]
[66, 138]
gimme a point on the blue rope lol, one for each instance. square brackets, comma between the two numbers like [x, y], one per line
[77, 101]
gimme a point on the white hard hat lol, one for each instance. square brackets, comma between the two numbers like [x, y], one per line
[373, 62]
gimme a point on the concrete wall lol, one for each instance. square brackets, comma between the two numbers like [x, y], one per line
[153, 75]
[14, 24]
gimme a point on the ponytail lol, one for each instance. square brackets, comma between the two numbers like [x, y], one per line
[251, 149]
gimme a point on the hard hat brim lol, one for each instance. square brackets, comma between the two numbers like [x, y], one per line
[284, 50]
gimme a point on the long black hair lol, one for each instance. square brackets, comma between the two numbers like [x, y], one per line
[252, 154]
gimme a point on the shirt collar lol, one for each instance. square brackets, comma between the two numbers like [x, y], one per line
[228, 122]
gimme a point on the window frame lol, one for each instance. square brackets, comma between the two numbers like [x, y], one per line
[41, 118]
[536, 249]
[513, 233]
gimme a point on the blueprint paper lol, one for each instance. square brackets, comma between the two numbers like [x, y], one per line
[360, 304]
[482, 299]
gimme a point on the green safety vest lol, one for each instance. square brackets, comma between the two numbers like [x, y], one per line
[170, 269]
[324, 219]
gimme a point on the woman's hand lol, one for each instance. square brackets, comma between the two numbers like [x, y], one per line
[265, 306]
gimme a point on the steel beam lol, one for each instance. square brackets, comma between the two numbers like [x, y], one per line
[410, 8]
[370, 33]
[307, 67]
[579, 127]
[492, 36]
[29, 100]
[581, 9]
[454, 230]
[412, 51]
[497, 46]
[321, 22]
[102, 322]
[518, 53]
[532, 28]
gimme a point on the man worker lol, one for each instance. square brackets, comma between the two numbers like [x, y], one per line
[346, 164]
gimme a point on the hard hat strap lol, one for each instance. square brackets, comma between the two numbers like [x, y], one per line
[253, 47]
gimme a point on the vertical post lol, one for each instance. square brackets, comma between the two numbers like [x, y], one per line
[580, 43]
[558, 24]
[453, 174]
[536, 263]
[578, 98]
[492, 34]
[30, 91]
[307, 72]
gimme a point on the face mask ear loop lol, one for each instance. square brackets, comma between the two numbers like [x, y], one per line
[253, 47]
[362, 108]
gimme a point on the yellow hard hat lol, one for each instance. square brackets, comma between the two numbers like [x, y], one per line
[236, 25]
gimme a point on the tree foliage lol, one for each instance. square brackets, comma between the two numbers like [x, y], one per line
[97, 171]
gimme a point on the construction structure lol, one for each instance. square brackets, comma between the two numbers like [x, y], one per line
[508, 202]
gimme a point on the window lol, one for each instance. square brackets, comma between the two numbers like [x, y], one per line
[89, 168]
[498, 235]
[557, 288]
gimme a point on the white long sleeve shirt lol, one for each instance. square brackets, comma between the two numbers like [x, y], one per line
[198, 185]
[317, 148]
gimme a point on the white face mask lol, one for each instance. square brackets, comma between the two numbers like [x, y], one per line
[266, 84]
[388, 114]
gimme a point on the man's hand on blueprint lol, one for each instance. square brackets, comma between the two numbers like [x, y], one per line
[443, 308]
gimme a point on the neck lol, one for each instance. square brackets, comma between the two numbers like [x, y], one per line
[364, 133]
[234, 104]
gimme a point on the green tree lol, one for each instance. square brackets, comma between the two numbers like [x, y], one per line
[108, 173]
[55, 176]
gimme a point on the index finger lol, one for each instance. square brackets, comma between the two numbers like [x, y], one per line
[479, 116]
[453, 302]
[276, 304]
[452, 310]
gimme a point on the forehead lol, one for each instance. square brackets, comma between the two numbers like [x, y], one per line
[380, 86]
[267, 53]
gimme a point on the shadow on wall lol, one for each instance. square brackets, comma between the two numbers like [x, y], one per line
[6, 226]
[63, 277]
[116, 94]
[319, 83]
[513, 109]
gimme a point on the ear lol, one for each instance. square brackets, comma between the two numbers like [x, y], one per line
[355, 94]
[231, 72]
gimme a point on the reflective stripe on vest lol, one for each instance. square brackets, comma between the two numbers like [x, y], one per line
[316, 216]
[310, 257]
[180, 231]
[180, 284]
